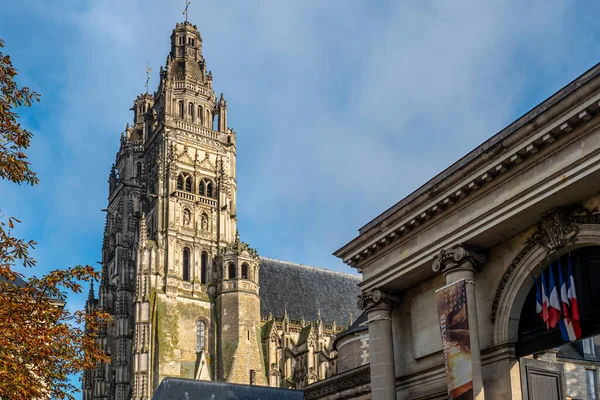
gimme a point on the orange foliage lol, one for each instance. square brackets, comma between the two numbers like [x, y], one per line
[41, 342]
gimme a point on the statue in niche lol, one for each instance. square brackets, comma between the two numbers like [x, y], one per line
[187, 217]
[204, 222]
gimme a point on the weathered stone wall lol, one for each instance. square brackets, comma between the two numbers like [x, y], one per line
[240, 338]
[353, 352]
[175, 329]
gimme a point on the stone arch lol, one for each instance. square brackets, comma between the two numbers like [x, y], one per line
[514, 290]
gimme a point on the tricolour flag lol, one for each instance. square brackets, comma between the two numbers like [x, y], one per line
[538, 296]
[554, 306]
[572, 294]
[568, 330]
[545, 314]
[573, 305]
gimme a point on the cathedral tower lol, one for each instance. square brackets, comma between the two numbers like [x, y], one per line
[171, 216]
[188, 298]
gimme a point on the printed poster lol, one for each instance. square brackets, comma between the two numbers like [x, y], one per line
[456, 342]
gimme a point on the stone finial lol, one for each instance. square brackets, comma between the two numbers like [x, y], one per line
[270, 316]
[459, 256]
[91, 292]
[285, 313]
[319, 315]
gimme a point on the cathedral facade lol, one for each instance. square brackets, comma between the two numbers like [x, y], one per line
[188, 298]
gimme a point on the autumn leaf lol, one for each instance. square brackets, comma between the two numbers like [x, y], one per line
[41, 341]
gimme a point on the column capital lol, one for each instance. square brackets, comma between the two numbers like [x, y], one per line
[376, 299]
[458, 257]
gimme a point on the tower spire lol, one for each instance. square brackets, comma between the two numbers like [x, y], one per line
[91, 293]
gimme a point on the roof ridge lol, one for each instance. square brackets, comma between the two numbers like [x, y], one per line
[357, 277]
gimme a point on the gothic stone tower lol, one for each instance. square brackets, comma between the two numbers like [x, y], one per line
[182, 288]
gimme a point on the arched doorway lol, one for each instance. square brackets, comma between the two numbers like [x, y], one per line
[552, 368]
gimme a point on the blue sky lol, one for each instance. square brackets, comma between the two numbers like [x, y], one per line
[341, 107]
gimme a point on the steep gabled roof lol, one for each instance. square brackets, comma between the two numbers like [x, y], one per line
[305, 290]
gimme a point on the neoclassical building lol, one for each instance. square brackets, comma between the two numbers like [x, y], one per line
[188, 298]
[526, 198]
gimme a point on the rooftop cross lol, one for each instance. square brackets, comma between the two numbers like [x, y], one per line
[148, 69]
[187, 4]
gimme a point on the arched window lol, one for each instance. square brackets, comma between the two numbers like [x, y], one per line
[138, 170]
[200, 336]
[209, 189]
[186, 264]
[231, 271]
[180, 182]
[244, 271]
[188, 183]
[200, 119]
[203, 267]
[201, 189]
[181, 110]
[191, 111]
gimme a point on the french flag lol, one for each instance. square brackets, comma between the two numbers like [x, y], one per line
[569, 329]
[571, 294]
[538, 296]
[554, 306]
[545, 313]
[569, 325]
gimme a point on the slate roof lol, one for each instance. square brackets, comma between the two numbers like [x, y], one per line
[188, 389]
[305, 290]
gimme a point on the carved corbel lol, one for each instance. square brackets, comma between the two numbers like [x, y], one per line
[376, 298]
[459, 256]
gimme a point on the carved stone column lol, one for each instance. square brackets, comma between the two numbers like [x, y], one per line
[458, 263]
[379, 305]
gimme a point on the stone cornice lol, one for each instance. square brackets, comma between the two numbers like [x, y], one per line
[339, 383]
[543, 189]
[547, 123]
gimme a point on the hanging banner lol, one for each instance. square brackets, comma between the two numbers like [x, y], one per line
[456, 342]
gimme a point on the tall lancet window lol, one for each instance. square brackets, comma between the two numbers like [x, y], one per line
[191, 111]
[200, 119]
[231, 271]
[244, 271]
[186, 264]
[203, 267]
[200, 336]
[181, 109]
[209, 189]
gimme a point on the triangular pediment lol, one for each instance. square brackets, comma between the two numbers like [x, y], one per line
[186, 159]
[206, 164]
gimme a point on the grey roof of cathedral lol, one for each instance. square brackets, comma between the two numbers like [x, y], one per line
[305, 290]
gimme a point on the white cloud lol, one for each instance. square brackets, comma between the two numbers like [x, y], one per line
[341, 107]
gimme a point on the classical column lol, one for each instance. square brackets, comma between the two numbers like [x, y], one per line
[378, 306]
[458, 263]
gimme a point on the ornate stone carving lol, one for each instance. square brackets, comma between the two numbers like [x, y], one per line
[459, 256]
[558, 228]
[376, 297]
